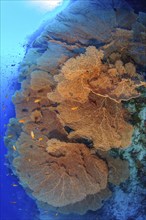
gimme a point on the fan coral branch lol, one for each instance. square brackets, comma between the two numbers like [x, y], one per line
[102, 121]
[86, 73]
[50, 170]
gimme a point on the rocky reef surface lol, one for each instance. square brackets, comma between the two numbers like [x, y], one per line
[78, 142]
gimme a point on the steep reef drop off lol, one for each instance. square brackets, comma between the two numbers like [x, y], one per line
[81, 78]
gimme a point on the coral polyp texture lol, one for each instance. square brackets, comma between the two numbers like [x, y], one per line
[74, 124]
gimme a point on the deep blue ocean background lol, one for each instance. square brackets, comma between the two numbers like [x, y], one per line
[18, 23]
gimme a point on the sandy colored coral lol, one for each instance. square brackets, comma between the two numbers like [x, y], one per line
[86, 73]
[100, 120]
[59, 173]
[40, 80]
[91, 202]
[70, 80]
[55, 55]
[84, 63]
[119, 170]
[129, 43]
[36, 116]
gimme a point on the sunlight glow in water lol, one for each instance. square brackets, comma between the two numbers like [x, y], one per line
[46, 5]
[19, 19]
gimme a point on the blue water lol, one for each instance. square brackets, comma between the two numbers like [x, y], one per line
[19, 20]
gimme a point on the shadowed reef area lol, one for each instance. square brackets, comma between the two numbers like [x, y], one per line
[78, 140]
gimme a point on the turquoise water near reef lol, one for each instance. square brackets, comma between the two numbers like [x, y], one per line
[18, 23]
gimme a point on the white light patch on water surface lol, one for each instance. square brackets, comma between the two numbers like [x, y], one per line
[19, 20]
[46, 5]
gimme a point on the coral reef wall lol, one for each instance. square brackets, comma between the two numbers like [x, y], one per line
[78, 140]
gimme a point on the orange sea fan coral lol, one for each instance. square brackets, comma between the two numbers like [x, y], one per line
[91, 202]
[118, 170]
[48, 170]
[100, 120]
[86, 73]
[74, 71]
[40, 80]
[88, 62]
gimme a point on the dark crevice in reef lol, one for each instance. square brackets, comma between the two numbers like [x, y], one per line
[86, 141]
[57, 135]
[95, 43]
[80, 44]
[56, 38]
[68, 129]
